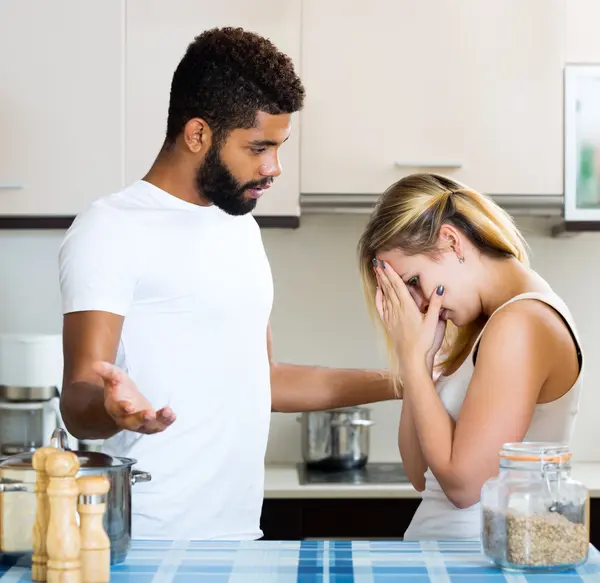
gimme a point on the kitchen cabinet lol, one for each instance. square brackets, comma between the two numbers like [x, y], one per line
[466, 88]
[61, 105]
[582, 38]
[158, 34]
[350, 518]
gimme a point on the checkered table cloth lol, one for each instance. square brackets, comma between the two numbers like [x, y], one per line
[314, 561]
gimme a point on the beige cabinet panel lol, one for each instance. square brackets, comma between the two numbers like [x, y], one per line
[61, 104]
[467, 88]
[583, 38]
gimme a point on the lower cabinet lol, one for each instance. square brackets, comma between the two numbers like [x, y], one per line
[355, 518]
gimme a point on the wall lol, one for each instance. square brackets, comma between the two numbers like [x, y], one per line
[319, 315]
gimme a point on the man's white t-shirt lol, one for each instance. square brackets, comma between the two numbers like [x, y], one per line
[195, 288]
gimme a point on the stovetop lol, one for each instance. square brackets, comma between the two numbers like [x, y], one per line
[371, 473]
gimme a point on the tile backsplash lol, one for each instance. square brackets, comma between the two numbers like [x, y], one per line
[319, 315]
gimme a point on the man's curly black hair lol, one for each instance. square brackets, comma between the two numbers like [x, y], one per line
[226, 76]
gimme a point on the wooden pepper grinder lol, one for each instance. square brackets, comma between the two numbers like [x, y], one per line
[42, 513]
[63, 539]
[95, 544]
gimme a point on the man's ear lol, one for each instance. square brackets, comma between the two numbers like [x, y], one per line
[197, 135]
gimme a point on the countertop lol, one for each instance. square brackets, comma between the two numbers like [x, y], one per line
[162, 561]
[281, 481]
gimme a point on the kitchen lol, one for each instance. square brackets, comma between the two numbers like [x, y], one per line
[313, 216]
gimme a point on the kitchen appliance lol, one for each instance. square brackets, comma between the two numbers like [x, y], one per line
[370, 474]
[24, 425]
[31, 367]
[18, 502]
[336, 439]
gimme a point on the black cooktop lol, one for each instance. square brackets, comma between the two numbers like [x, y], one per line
[371, 473]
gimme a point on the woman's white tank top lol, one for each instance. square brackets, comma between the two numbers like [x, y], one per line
[436, 517]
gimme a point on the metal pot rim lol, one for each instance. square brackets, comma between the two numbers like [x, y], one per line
[20, 463]
[126, 462]
[345, 410]
[357, 409]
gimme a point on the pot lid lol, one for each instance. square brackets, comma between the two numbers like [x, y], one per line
[87, 459]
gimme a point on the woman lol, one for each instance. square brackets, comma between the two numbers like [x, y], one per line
[443, 265]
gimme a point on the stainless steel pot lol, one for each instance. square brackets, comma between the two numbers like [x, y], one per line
[17, 498]
[336, 439]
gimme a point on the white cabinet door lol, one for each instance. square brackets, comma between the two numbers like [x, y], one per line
[158, 33]
[467, 88]
[60, 104]
[583, 38]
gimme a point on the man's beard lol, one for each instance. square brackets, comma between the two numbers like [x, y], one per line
[216, 183]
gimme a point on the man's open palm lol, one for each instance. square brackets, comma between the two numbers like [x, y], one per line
[127, 406]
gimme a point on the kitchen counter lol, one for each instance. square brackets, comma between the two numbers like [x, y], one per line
[163, 561]
[281, 481]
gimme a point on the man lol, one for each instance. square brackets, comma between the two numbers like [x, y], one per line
[167, 283]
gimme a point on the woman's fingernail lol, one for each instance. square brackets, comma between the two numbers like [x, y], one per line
[382, 264]
[440, 290]
[374, 261]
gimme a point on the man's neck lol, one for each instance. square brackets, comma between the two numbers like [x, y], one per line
[171, 174]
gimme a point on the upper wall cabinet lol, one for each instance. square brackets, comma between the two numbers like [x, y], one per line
[583, 40]
[465, 88]
[60, 104]
[158, 33]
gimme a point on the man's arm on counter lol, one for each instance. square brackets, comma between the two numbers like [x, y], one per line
[297, 388]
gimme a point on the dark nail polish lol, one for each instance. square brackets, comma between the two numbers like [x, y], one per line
[382, 264]
[374, 261]
[440, 290]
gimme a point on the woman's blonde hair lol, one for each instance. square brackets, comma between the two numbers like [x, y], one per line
[409, 216]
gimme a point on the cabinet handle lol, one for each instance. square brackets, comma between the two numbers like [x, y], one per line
[409, 164]
[10, 186]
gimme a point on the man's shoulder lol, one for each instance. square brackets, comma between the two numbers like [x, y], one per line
[110, 210]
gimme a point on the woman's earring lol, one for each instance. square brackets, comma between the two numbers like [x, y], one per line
[460, 259]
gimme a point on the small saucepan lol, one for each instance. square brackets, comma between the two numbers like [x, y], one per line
[336, 439]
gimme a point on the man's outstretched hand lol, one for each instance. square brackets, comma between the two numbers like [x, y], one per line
[127, 406]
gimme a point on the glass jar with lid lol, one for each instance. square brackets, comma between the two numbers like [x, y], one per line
[535, 517]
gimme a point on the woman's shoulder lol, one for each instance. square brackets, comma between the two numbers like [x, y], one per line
[537, 321]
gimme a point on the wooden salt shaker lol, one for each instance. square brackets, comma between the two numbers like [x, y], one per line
[63, 539]
[95, 544]
[42, 514]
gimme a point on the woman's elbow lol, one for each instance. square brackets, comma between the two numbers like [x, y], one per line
[462, 498]
[418, 485]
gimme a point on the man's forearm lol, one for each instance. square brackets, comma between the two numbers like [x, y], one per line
[297, 388]
[83, 411]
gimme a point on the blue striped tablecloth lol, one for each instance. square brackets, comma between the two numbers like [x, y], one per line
[314, 561]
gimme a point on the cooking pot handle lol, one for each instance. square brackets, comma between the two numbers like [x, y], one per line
[139, 476]
[353, 423]
[362, 422]
[59, 439]
[7, 485]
